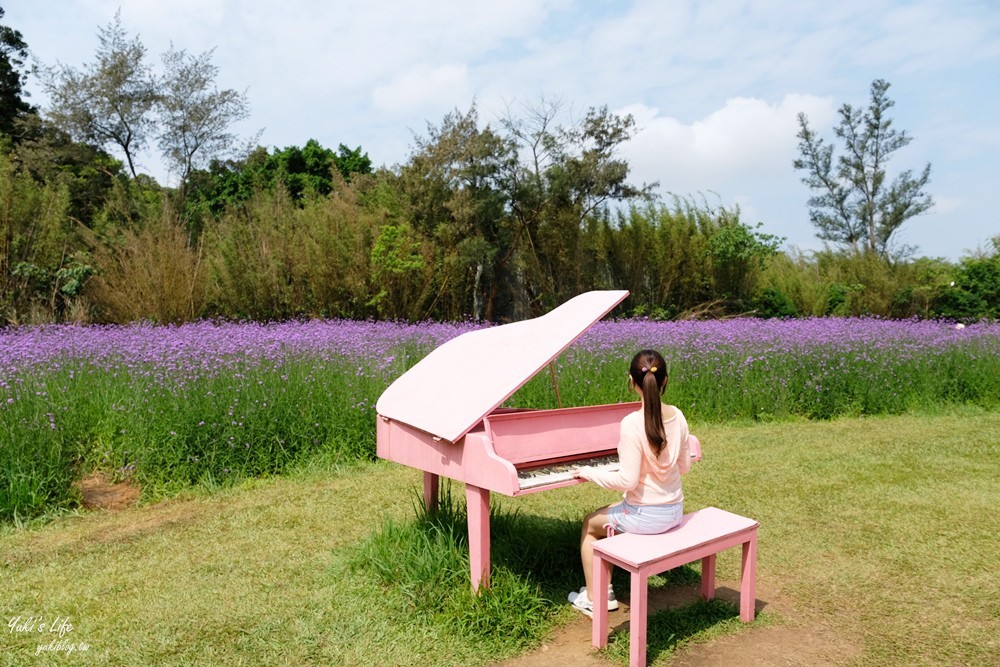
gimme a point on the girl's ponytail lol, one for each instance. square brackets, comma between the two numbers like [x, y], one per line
[649, 372]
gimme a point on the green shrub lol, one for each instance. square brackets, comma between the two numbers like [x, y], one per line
[975, 292]
[772, 302]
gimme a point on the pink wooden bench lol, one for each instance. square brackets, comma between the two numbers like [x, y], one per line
[701, 534]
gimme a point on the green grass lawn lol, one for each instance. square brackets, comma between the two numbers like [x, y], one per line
[886, 528]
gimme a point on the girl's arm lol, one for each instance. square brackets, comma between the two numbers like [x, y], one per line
[684, 457]
[626, 477]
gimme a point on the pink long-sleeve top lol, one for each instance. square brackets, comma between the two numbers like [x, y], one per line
[645, 478]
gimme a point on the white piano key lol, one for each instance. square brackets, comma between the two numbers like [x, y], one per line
[563, 472]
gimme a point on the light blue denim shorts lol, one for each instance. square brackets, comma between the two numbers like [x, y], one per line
[625, 517]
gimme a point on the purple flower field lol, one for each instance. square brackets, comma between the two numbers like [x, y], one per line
[172, 406]
[210, 348]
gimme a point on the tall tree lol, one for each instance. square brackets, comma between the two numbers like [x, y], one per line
[50, 156]
[309, 169]
[566, 177]
[111, 101]
[854, 204]
[455, 182]
[13, 52]
[195, 116]
[513, 207]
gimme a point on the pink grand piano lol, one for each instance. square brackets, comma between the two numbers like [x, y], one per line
[443, 417]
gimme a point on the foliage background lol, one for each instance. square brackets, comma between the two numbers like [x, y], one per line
[287, 235]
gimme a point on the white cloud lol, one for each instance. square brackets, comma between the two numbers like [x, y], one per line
[945, 204]
[168, 17]
[424, 87]
[734, 146]
[931, 36]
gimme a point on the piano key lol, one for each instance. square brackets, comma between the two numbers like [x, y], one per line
[562, 472]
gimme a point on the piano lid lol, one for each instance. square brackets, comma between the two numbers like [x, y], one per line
[450, 390]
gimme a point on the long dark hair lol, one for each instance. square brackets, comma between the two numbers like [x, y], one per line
[649, 372]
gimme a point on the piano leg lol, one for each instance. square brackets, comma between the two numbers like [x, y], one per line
[477, 502]
[431, 484]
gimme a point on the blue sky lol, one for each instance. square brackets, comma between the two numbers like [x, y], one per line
[714, 86]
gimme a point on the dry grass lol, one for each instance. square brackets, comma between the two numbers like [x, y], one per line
[152, 273]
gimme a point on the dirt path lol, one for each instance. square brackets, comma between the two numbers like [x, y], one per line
[99, 493]
[794, 641]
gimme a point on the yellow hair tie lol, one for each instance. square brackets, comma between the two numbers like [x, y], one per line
[653, 369]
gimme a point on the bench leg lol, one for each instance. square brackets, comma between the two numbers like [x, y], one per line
[637, 620]
[748, 579]
[708, 577]
[599, 628]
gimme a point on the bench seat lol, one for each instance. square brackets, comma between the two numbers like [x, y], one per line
[700, 535]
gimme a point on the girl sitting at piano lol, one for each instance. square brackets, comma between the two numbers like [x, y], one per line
[653, 454]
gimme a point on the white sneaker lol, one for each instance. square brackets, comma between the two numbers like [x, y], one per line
[575, 595]
[580, 600]
[612, 600]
